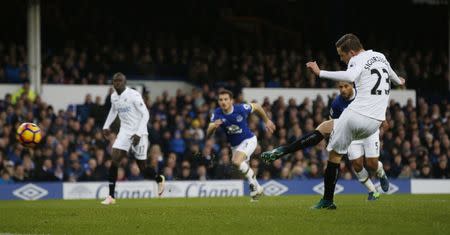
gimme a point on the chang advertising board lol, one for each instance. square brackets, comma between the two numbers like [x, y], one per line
[215, 188]
[137, 189]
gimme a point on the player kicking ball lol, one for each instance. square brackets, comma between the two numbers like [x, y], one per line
[134, 116]
[368, 147]
[372, 74]
[232, 118]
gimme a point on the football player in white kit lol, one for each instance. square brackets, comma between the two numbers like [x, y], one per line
[134, 116]
[368, 147]
[372, 74]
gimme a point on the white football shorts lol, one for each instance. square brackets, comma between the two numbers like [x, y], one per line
[247, 146]
[349, 127]
[368, 147]
[124, 142]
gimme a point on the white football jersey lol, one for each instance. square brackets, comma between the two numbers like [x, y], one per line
[371, 73]
[132, 111]
[373, 85]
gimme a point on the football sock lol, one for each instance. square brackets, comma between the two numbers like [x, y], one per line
[112, 178]
[248, 172]
[330, 179]
[380, 170]
[363, 177]
[308, 140]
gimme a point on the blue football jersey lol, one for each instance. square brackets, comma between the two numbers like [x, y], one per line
[338, 106]
[235, 123]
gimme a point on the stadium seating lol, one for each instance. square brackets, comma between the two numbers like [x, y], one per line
[415, 141]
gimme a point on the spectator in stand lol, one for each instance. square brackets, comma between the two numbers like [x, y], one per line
[26, 91]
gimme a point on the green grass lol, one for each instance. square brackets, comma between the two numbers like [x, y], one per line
[393, 214]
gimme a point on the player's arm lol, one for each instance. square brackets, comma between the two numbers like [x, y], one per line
[261, 113]
[142, 126]
[142, 108]
[394, 78]
[109, 120]
[212, 128]
[334, 110]
[349, 75]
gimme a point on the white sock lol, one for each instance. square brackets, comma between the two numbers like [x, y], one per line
[363, 177]
[380, 170]
[248, 172]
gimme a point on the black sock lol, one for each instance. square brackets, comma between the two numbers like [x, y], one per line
[304, 142]
[112, 178]
[330, 179]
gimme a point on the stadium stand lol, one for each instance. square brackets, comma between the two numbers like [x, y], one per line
[416, 141]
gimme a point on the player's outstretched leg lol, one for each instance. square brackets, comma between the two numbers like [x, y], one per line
[308, 140]
[256, 190]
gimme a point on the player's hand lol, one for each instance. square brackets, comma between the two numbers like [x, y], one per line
[402, 81]
[270, 127]
[217, 123]
[312, 65]
[135, 138]
[106, 133]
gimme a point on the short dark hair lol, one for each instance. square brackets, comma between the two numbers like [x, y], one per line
[349, 42]
[225, 91]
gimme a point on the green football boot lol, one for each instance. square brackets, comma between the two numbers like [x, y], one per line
[273, 155]
[373, 196]
[324, 204]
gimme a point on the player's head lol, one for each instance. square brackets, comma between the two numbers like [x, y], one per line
[348, 46]
[225, 99]
[345, 89]
[119, 82]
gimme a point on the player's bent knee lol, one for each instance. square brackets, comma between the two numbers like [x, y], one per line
[357, 165]
[372, 164]
[117, 154]
[325, 127]
[238, 158]
[335, 157]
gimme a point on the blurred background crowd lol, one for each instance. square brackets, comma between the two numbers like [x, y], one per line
[242, 44]
[415, 140]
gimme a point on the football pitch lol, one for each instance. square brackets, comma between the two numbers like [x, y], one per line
[392, 214]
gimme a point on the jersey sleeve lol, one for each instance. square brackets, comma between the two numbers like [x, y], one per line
[214, 116]
[139, 104]
[393, 76]
[354, 69]
[246, 108]
[111, 117]
[334, 110]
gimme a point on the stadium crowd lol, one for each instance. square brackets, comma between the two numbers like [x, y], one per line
[425, 69]
[415, 140]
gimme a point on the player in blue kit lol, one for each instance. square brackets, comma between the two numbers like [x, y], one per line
[232, 118]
